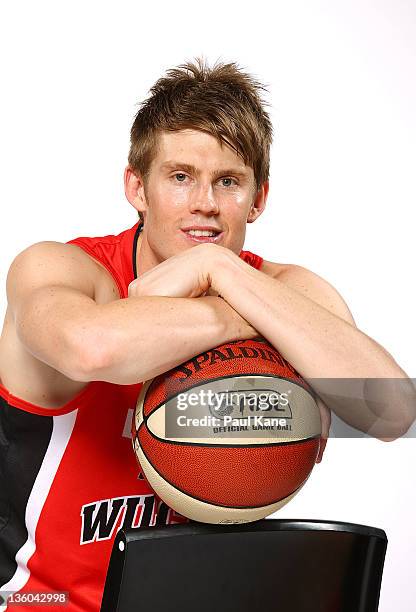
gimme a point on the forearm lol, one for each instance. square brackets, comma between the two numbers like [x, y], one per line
[316, 342]
[138, 338]
[322, 346]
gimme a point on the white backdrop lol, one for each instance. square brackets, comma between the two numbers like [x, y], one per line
[342, 86]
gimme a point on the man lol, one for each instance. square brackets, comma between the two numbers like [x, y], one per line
[88, 321]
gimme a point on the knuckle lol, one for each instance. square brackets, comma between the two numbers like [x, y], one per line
[134, 289]
[207, 246]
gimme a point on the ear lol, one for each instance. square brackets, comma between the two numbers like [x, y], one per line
[134, 190]
[259, 203]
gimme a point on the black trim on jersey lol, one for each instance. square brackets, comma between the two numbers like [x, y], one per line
[136, 237]
[24, 440]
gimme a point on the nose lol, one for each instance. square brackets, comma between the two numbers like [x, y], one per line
[204, 200]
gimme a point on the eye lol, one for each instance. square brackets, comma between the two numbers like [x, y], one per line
[180, 177]
[227, 181]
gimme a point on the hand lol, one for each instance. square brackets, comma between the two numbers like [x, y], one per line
[326, 424]
[191, 273]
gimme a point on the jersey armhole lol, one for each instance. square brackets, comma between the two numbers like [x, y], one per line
[94, 256]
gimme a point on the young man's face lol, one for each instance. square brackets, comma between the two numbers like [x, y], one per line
[194, 184]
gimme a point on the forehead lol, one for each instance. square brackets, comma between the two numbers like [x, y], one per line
[197, 148]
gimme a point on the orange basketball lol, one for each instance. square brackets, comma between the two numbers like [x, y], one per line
[229, 436]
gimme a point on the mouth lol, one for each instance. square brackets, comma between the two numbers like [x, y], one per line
[203, 235]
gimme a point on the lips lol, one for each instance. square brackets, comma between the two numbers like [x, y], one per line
[190, 234]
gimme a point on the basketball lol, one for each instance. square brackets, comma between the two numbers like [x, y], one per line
[229, 436]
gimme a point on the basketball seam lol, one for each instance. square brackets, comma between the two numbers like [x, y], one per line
[163, 477]
[251, 445]
[205, 381]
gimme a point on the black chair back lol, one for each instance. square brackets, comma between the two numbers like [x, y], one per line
[270, 565]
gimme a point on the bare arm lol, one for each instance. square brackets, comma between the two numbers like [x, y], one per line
[51, 289]
[306, 319]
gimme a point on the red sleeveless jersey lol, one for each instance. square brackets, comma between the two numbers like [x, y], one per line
[69, 479]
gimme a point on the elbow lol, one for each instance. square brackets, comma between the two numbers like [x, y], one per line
[393, 402]
[96, 360]
[399, 430]
[101, 357]
[90, 357]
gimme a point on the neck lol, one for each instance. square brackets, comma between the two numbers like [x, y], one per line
[145, 259]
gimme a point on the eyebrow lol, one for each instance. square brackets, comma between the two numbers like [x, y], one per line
[172, 165]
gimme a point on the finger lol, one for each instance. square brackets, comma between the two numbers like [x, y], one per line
[212, 292]
[322, 445]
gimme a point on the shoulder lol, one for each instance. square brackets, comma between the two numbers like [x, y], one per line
[311, 285]
[56, 263]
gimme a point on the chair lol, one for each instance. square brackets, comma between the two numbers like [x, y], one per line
[269, 565]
